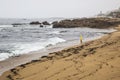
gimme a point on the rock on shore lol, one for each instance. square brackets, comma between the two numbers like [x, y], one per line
[87, 22]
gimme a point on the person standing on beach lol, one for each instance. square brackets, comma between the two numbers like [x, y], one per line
[81, 38]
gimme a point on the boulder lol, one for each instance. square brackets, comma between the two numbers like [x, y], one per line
[45, 23]
[35, 23]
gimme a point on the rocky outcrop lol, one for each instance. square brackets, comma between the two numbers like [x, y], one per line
[17, 24]
[42, 24]
[45, 23]
[35, 23]
[87, 22]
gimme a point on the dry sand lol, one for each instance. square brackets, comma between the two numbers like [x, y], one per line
[94, 60]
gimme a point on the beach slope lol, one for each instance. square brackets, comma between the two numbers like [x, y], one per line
[94, 60]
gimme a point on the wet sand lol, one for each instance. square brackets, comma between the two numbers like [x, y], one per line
[94, 60]
[25, 58]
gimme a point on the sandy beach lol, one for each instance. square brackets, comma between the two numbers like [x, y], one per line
[25, 58]
[94, 60]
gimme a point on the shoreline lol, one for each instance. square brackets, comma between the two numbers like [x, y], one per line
[13, 62]
[25, 58]
[59, 35]
[56, 55]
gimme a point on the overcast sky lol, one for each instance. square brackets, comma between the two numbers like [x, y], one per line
[55, 8]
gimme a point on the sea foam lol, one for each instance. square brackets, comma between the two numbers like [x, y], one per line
[21, 48]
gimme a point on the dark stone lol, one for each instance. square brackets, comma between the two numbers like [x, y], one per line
[45, 23]
[17, 24]
[41, 25]
[35, 23]
[87, 22]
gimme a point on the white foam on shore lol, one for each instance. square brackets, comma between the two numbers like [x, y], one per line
[3, 26]
[26, 48]
[4, 56]
[54, 32]
[50, 26]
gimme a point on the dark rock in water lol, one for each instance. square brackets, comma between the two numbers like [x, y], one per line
[35, 23]
[63, 31]
[87, 22]
[41, 25]
[17, 24]
[45, 23]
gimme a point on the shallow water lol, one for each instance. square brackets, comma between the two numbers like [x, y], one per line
[15, 41]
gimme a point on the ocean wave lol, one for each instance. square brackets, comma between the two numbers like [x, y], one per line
[3, 26]
[25, 48]
[16, 41]
[54, 32]
[22, 48]
[4, 56]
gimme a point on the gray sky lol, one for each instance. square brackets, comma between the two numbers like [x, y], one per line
[54, 8]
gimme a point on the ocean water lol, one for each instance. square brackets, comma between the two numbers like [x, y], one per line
[15, 41]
